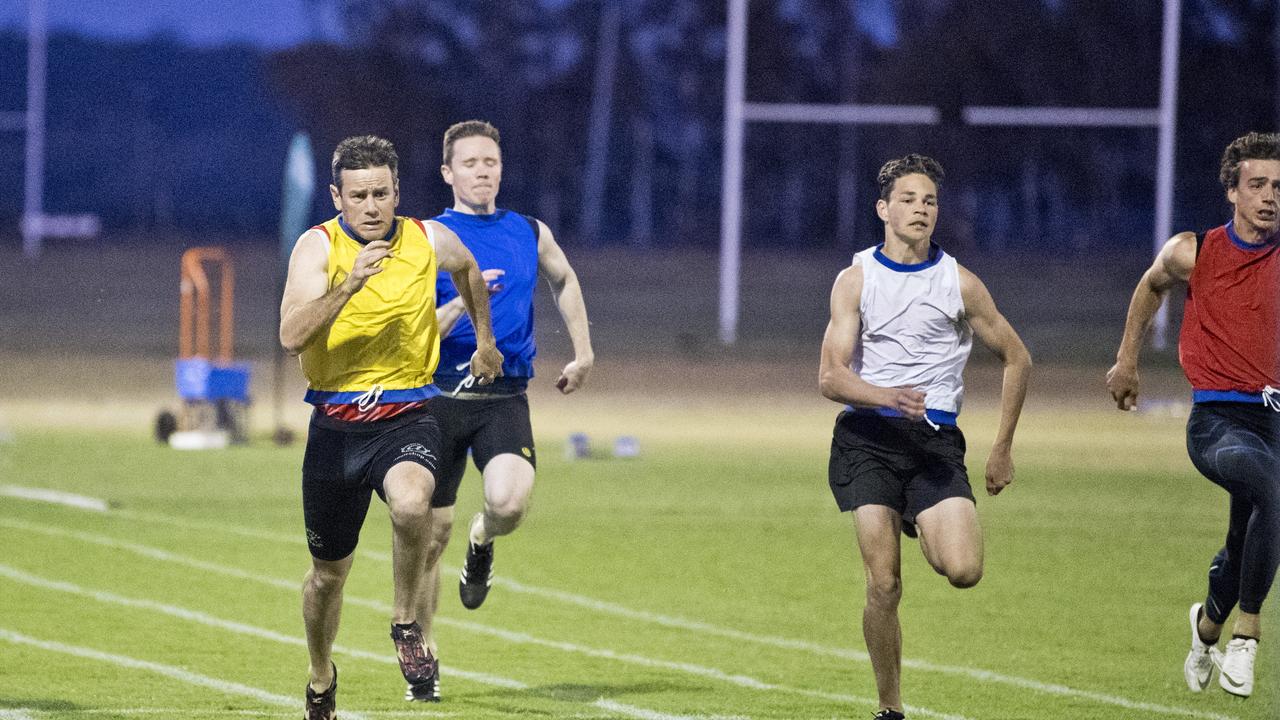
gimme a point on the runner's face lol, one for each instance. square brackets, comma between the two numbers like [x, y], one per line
[1257, 196]
[912, 208]
[367, 201]
[475, 172]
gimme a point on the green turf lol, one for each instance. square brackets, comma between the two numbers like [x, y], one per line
[710, 577]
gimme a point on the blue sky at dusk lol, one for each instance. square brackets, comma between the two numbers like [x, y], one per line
[267, 23]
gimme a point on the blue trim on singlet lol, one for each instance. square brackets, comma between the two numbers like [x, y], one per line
[939, 417]
[395, 225]
[1239, 396]
[1235, 239]
[346, 397]
[935, 254]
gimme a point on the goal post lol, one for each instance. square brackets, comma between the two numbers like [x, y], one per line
[738, 112]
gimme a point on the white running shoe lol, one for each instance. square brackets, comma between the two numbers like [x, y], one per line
[1198, 668]
[1235, 674]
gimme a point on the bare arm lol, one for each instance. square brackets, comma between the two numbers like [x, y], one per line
[455, 259]
[997, 334]
[836, 379]
[309, 305]
[448, 314]
[555, 267]
[1173, 264]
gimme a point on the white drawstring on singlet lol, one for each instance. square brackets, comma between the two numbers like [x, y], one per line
[369, 398]
[465, 382]
[1271, 398]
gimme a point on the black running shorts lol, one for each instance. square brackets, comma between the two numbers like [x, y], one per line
[345, 462]
[905, 465]
[488, 427]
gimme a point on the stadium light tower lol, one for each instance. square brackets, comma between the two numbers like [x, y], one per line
[738, 112]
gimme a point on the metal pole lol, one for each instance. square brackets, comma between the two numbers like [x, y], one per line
[731, 188]
[33, 184]
[1165, 155]
[601, 119]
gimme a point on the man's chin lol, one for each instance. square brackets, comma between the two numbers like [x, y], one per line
[369, 234]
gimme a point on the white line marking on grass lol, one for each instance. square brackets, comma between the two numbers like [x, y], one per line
[643, 714]
[19, 714]
[186, 711]
[519, 637]
[229, 625]
[680, 623]
[83, 502]
[169, 671]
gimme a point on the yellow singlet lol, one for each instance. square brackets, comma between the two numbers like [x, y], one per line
[384, 344]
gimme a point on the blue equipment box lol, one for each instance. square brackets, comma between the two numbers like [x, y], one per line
[199, 379]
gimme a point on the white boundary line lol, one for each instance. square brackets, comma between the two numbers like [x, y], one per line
[186, 711]
[641, 714]
[169, 671]
[680, 623]
[517, 637]
[56, 497]
[230, 625]
[196, 616]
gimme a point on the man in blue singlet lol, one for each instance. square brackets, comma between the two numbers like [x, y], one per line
[492, 421]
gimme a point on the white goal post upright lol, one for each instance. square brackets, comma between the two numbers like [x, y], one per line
[33, 190]
[737, 112]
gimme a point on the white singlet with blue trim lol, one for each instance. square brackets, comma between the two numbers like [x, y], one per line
[914, 331]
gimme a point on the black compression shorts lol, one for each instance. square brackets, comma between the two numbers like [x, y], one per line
[488, 427]
[345, 462]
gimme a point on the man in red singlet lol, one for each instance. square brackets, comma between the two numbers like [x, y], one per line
[1230, 352]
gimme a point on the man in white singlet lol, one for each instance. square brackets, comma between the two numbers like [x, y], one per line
[903, 317]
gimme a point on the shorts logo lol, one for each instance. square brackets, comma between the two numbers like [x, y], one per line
[419, 450]
[313, 539]
[527, 452]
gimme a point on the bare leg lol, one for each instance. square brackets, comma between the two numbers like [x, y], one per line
[408, 487]
[951, 540]
[321, 611]
[508, 486]
[1248, 625]
[429, 600]
[878, 528]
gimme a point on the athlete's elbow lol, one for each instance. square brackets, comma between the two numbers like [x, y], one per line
[1022, 359]
[828, 383]
[291, 344]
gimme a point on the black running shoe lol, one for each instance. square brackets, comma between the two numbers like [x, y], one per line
[322, 706]
[477, 573]
[416, 664]
[888, 715]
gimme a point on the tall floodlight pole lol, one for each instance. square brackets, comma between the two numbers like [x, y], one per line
[735, 81]
[33, 184]
[1165, 159]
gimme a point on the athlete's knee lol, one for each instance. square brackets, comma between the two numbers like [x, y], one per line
[326, 577]
[508, 486]
[409, 488]
[965, 576]
[884, 590]
[508, 510]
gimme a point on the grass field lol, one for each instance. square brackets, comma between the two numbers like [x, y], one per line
[711, 577]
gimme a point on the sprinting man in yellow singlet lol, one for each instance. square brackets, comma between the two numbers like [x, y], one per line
[359, 309]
